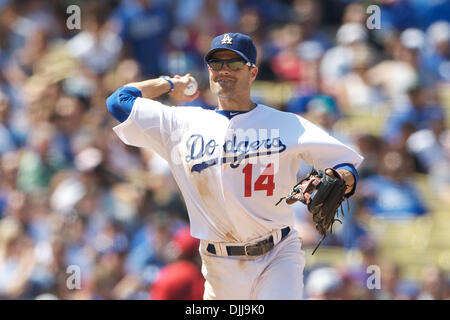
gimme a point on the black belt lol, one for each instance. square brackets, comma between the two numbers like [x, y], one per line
[255, 249]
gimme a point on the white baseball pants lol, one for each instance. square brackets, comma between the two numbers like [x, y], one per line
[276, 275]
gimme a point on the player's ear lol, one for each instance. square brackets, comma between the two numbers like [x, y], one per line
[253, 73]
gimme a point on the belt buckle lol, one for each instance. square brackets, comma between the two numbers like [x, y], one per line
[246, 252]
[264, 246]
[250, 246]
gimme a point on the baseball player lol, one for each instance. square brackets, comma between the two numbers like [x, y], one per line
[232, 165]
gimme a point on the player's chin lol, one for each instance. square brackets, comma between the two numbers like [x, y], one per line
[224, 92]
[224, 85]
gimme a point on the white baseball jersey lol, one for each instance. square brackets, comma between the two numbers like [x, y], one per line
[233, 170]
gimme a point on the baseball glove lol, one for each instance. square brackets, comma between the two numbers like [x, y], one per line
[323, 195]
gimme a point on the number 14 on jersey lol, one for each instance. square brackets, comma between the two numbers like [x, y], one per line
[263, 182]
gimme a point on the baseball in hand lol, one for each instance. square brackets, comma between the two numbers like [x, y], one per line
[191, 87]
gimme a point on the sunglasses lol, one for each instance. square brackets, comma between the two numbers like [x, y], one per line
[234, 64]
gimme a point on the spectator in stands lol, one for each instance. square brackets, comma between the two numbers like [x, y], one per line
[310, 81]
[98, 47]
[433, 283]
[337, 61]
[357, 93]
[391, 194]
[8, 135]
[407, 290]
[390, 273]
[437, 52]
[180, 279]
[430, 144]
[324, 283]
[17, 259]
[143, 26]
[419, 113]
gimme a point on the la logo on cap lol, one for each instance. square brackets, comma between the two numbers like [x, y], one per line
[227, 39]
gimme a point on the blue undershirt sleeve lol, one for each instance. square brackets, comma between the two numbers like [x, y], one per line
[352, 169]
[121, 101]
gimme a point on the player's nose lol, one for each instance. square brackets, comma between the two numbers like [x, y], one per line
[225, 70]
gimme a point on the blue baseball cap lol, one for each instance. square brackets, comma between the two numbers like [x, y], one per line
[236, 42]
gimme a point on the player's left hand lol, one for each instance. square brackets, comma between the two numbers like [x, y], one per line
[323, 192]
[179, 85]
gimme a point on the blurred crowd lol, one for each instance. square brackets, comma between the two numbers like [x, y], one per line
[71, 194]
